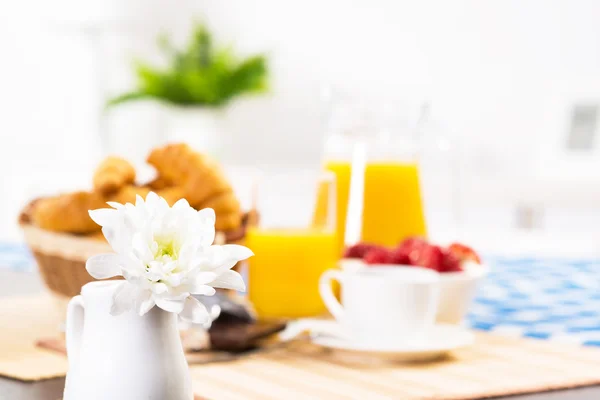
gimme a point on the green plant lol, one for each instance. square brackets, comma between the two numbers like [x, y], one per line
[200, 74]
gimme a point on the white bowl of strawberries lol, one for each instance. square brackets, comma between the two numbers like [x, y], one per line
[459, 266]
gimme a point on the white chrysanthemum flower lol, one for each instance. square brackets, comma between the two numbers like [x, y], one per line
[165, 254]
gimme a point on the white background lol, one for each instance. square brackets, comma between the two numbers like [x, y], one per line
[500, 75]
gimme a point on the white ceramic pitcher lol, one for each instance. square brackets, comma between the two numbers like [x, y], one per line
[125, 357]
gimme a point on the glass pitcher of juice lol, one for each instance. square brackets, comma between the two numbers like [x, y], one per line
[392, 202]
[294, 243]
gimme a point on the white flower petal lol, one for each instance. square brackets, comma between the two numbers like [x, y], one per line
[103, 266]
[146, 306]
[138, 232]
[238, 252]
[115, 205]
[202, 237]
[159, 288]
[187, 252]
[162, 205]
[207, 216]
[204, 290]
[229, 279]
[169, 267]
[199, 284]
[104, 216]
[222, 258]
[177, 293]
[174, 279]
[170, 305]
[181, 205]
[139, 201]
[134, 277]
[133, 265]
[123, 298]
[144, 302]
[152, 200]
[203, 277]
[130, 222]
[204, 263]
[154, 274]
[140, 248]
[194, 311]
[208, 238]
[115, 240]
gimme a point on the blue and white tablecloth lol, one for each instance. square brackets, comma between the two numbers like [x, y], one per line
[556, 299]
[16, 257]
[545, 298]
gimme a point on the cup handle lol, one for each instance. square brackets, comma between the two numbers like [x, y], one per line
[332, 304]
[74, 329]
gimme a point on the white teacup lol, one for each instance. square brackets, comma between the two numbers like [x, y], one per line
[383, 305]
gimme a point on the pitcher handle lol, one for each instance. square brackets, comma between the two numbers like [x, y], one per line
[74, 329]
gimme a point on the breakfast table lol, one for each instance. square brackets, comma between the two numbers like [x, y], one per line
[509, 311]
[52, 389]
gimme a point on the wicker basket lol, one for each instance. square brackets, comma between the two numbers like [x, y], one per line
[61, 257]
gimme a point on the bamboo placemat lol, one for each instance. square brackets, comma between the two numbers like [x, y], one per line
[32, 350]
[494, 366]
[22, 321]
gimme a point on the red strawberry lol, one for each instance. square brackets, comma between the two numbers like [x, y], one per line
[378, 256]
[359, 250]
[411, 247]
[464, 253]
[428, 256]
[451, 263]
[400, 256]
[411, 242]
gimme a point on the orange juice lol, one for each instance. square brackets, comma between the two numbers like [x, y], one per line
[392, 208]
[284, 273]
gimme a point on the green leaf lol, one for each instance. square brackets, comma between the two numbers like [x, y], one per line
[199, 74]
[127, 97]
[249, 76]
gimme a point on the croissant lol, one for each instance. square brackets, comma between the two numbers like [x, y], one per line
[69, 212]
[228, 222]
[182, 174]
[199, 176]
[198, 179]
[227, 208]
[112, 174]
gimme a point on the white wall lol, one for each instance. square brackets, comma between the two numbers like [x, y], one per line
[494, 69]
[498, 72]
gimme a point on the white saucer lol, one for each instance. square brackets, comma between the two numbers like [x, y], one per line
[438, 342]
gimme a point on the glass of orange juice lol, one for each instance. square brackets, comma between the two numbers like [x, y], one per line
[294, 243]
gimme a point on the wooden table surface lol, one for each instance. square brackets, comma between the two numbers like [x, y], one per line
[51, 389]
